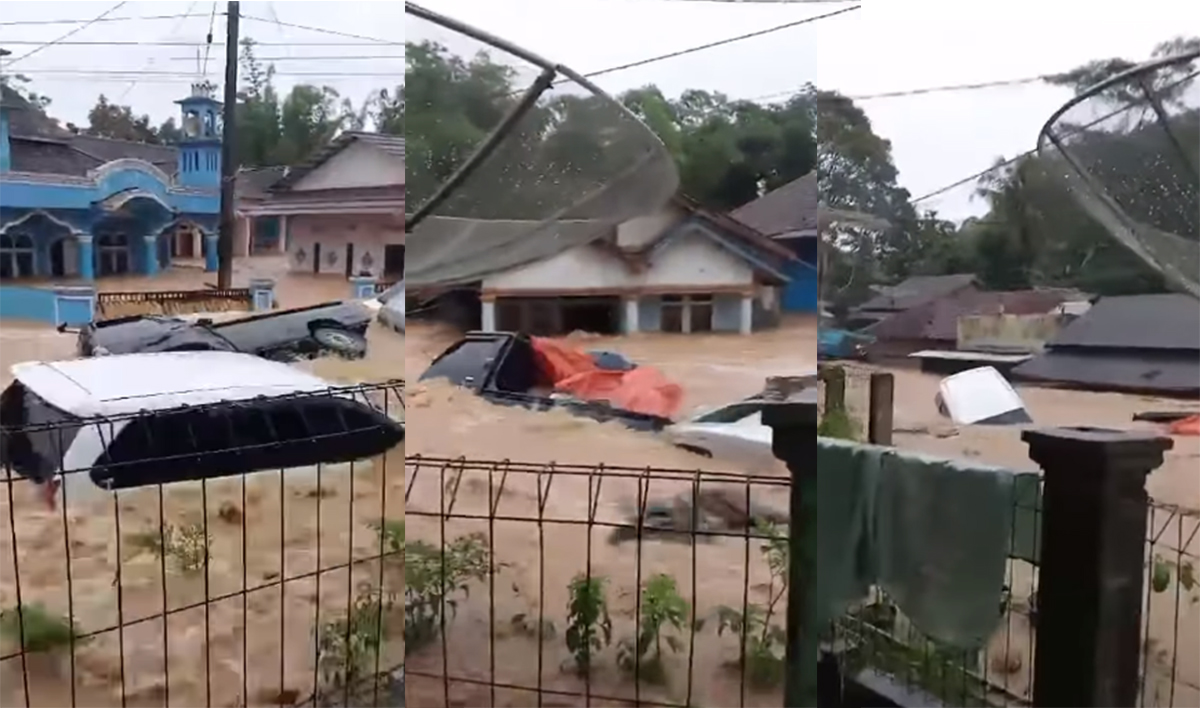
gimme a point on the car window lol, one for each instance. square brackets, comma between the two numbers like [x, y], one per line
[731, 413]
[236, 438]
[466, 359]
[34, 453]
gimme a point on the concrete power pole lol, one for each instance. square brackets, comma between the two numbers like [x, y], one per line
[228, 140]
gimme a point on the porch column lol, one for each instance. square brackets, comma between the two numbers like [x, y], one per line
[247, 234]
[282, 241]
[488, 314]
[746, 321]
[150, 255]
[631, 324]
[210, 252]
[87, 257]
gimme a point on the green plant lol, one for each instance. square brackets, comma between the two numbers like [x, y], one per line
[662, 608]
[589, 628]
[35, 629]
[188, 546]
[839, 424]
[764, 641]
[432, 581]
[1162, 572]
[347, 644]
[391, 533]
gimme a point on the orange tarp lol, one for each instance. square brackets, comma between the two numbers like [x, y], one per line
[1186, 426]
[642, 390]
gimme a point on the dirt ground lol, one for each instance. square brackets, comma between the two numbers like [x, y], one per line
[275, 521]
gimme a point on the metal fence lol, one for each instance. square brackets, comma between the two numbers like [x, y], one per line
[171, 302]
[270, 588]
[532, 584]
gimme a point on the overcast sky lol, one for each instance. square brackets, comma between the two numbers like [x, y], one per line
[888, 45]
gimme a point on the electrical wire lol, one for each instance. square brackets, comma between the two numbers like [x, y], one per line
[68, 35]
[1075, 130]
[322, 30]
[168, 43]
[721, 42]
[31, 23]
[150, 63]
[208, 39]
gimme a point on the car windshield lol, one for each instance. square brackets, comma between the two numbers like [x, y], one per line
[36, 435]
[731, 413]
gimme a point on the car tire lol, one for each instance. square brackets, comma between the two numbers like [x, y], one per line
[342, 342]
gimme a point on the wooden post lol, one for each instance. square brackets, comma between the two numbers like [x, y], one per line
[881, 412]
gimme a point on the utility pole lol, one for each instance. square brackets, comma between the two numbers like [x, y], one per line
[228, 138]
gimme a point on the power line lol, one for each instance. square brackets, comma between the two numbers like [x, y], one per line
[68, 35]
[150, 62]
[30, 23]
[1076, 130]
[208, 39]
[322, 30]
[180, 43]
[721, 42]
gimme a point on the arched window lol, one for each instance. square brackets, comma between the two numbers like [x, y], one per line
[16, 256]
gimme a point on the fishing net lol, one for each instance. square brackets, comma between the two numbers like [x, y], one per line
[512, 159]
[1129, 150]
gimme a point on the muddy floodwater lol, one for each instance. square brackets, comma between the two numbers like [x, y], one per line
[261, 645]
[1172, 662]
[538, 563]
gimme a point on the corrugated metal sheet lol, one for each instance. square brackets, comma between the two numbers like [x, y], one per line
[1164, 322]
[1173, 373]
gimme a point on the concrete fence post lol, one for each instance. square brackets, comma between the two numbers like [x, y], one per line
[262, 294]
[1092, 563]
[792, 416]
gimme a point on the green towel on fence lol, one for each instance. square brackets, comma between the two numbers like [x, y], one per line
[934, 534]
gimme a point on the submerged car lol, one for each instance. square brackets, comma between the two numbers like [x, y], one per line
[503, 368]
[337, 328]
[127, 421]
[388, 307]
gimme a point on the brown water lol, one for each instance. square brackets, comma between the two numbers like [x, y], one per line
[256, 650]
[1173, 628]
[537, 567]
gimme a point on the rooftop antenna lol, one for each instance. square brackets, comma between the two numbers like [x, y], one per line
[1126, 149]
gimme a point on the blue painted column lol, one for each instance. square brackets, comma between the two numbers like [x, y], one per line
[87, 257]
[210, 252]
[150, 255]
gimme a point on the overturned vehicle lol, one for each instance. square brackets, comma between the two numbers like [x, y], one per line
[332, 328]
[541, 374]
[126, 421]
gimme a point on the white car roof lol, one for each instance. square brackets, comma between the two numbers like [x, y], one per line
[128, 383]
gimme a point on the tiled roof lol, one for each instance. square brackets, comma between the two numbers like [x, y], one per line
[788, 209]
[254, 182]
[937, 319]
[917, 291]
[40, 145]
[391, 144]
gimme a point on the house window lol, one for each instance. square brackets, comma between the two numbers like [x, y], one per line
[112, 252]
[687, 313]
[16, 256]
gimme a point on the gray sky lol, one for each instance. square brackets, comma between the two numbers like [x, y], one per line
[889, 45]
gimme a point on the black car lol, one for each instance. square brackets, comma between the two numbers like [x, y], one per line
[330, 328]
[502, 367]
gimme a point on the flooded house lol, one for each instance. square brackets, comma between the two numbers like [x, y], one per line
[341, 213]
[681, 269]
[78, 207]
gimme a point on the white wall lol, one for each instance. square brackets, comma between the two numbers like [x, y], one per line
[368, 233]
[359, 165]
[640, 231]
[686, 262]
